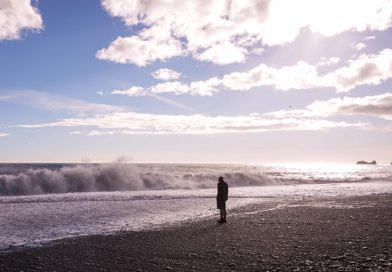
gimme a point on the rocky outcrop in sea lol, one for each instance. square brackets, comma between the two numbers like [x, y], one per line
[365, 162]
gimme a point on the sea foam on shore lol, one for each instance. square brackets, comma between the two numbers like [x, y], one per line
[31, 220]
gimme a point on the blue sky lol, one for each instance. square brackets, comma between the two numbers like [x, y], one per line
[190, 81]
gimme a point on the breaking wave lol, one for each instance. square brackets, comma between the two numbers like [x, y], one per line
[34, 179]
[113, 177]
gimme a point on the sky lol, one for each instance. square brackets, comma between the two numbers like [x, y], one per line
[174, 81]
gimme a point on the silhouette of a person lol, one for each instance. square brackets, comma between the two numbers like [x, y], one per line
[221, 198]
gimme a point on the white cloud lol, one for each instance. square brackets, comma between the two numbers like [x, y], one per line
[203, 88]
[299, 76]
[328, 61]
[225, 53]
[133, 91]
[366, 70]
[92, 132]
[99, 133]
[4, 134]
[141, 123]
[77, 132]
[258, 51]
[140, 51]
[175, 87]
[349, 15]
[58, 103]
[368, 38]
[166, 74]
[359, 46]
[16, 16]
[377, 105]
[224, 32]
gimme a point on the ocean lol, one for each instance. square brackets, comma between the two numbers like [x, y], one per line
[45, 202]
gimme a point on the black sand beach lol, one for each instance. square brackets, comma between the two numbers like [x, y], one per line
[334, 234]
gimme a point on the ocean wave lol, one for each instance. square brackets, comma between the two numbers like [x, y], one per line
[129, 177]
[113, 177]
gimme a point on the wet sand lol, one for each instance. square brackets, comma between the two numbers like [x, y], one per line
[312, 234]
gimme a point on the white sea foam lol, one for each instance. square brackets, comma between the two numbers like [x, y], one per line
[31, 220]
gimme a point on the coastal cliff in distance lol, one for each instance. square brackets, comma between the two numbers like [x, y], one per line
[364, 162]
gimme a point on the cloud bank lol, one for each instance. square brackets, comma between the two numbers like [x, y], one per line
[310, 118]
[213, 28]
[377, 105]
[143, 123]
[367, 69]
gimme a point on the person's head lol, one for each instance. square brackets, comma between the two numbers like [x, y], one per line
[220, 179]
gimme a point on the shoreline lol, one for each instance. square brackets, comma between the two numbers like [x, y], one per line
[328, 233]
[31, 220]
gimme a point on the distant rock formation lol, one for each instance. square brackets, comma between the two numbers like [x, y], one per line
[364, 162]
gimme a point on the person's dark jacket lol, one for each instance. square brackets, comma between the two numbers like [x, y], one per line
[223, 191]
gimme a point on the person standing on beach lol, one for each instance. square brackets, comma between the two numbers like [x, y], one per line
[221, 198]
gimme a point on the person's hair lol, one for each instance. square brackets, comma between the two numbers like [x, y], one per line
[220, 178]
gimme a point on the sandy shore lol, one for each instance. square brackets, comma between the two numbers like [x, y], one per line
[339, 234]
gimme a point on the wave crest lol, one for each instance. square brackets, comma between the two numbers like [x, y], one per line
[113, 177]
